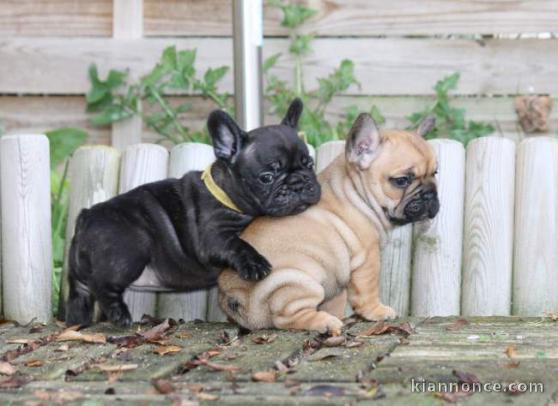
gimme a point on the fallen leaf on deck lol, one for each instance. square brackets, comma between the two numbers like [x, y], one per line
[553, 316]
[116, 368]
[167, 349]
[183, 334]
[72, 335]
[25, 341]
[465, 377]
[457, 325]
[382, 327]
[325, 390]
[6, 368]
[112, 377]
[207, 396]
[126, 341]
[14, 382]
[264, 339]
[452, 397]
[265, 376]
[34, 363]
[162, 386]
[195, 387]
[62, 348]
[334, 341]
[511, 351]
[37, 328]
[156, 332]
[215, 366]
[326, 353]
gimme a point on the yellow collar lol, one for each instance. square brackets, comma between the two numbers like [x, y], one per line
[216, 191]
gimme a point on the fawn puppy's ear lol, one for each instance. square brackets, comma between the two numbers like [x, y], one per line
[227, 136]
[426, 125]
[362, 142]
[293, 114]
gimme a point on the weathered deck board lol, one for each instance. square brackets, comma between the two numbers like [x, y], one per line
[432, 353]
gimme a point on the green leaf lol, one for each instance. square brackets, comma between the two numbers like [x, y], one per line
[169, 58]
[301, 44]
[294, 15]
[186, 59]
[111, 115]
[212, 76]
[377, 115]
[448, 83]
[270, 62]
[63, 143]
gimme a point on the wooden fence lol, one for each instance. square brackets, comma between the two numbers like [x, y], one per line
[400, 50]
[492, 249]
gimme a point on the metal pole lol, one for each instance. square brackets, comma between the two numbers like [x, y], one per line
[248, 38]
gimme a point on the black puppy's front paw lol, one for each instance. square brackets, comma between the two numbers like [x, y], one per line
[252, 266]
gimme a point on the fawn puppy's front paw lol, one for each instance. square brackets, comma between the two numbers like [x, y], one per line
[379, 312]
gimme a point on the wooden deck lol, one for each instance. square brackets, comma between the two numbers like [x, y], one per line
[191, 363]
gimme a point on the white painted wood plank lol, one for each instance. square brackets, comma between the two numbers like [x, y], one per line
[127, 23]
[390, 66]
[193, 305]
[93, 177]
[362, 17]
[127, 19]
[142, 163]
[327, 152]
[26, 227]
[395, 274]
[436, 274]
[535, 269]
[488, 227]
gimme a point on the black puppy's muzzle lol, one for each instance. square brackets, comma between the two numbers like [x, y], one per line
[298, 191]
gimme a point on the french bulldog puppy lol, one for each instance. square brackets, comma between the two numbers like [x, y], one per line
[384, 179]
[188, 229]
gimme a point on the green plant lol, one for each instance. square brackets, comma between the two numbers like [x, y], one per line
[63, 143]
[118, 97]
[314, 125]
[450, 121]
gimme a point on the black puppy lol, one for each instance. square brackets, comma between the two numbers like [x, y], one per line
[188, 229]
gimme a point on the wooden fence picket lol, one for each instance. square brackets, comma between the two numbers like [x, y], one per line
[436, 274]
[488, 227]
[142, 163]
[93, 176]
[27, 244]
[193, 305]
[535, 268]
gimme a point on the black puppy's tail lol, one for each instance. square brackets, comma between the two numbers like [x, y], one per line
[80, 304]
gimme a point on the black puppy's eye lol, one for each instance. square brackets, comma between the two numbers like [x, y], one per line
[266, 178]
[401, 182]
[308, 162]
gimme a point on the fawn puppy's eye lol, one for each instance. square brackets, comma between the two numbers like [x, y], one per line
[401, 182]
[266, 178]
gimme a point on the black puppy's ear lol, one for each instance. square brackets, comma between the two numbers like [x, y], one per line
[293, 114]
[227, 136]
[362, 142]
[426, 125]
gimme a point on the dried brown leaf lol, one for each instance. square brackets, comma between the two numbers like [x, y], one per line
[465, 377]
[167, 349]
[34, 363]
[457, 325]
[335, 341]
[14, 382]
[206, 396]
[6, 368]
[268, 376]
[327, 391]
[62, 348]
[215, 366]
[511, 351]
[264, 339]
[156, 332]
[116, 368]
[382, 327]
[72, 335]
[25, 341]
[163, 386]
